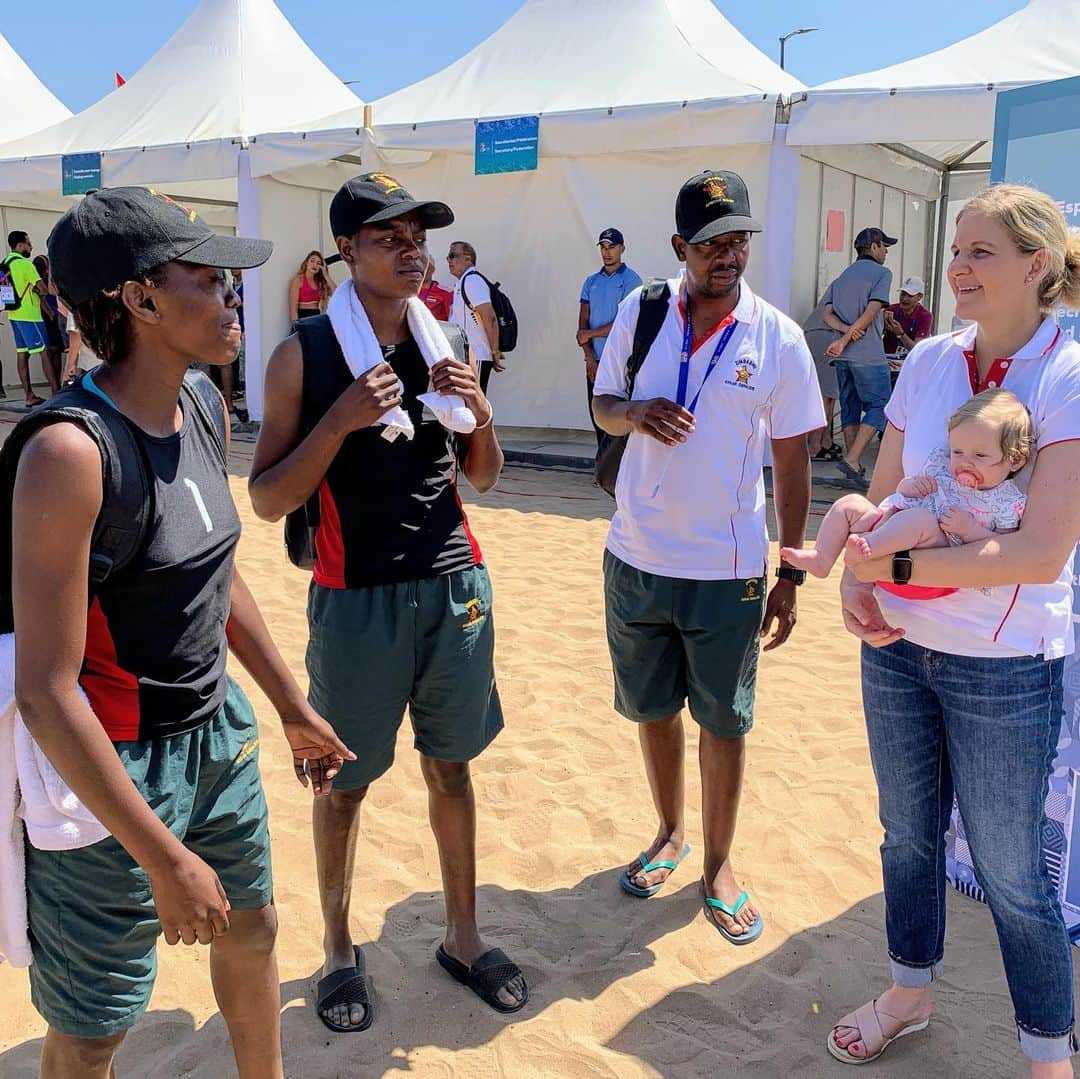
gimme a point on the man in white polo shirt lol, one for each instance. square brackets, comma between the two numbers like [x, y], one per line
[685, 565]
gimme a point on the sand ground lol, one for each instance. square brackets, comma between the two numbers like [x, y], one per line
[620, 987]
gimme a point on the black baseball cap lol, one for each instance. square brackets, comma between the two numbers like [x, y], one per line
[711, 204]
[610, 236]
[120, 233]
[873, 236]
[375, 197]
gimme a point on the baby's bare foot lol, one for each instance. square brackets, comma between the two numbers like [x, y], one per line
[857, 550]
[808, 559]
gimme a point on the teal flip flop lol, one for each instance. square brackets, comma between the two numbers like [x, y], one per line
[630, 887]
[752, 931]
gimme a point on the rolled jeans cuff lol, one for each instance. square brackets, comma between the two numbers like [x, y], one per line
[1046, 1048]
[909, 977]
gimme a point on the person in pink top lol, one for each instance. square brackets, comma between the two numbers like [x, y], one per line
[310, 289]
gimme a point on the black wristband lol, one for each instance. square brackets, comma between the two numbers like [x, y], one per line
[790, 573]
[901, 567]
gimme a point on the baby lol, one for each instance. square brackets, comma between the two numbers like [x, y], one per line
[965, 494]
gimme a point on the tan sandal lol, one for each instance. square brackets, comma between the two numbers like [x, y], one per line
[865, 1020]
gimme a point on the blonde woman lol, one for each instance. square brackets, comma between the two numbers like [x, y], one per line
[963, 693]
[310, 289]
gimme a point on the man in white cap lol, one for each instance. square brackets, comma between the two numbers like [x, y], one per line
[907, 321]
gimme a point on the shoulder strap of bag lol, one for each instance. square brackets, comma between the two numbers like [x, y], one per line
[655, 297]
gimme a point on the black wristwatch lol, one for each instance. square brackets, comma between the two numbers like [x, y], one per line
[901, 567]
[790, 573]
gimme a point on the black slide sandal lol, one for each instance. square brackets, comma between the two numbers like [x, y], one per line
[493, 971]
[343, 987]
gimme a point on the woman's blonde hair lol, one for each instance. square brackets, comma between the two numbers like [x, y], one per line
[1036, 223]
[1006, 412]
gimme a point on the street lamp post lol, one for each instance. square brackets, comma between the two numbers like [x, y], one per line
[794, 33]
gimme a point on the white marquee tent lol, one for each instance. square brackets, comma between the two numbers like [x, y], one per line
[633, 96]
[939, 108]
[186, 121]
[34, 107]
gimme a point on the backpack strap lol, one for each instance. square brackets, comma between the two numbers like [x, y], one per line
[208, 408]
[655, 297]
[127, 497]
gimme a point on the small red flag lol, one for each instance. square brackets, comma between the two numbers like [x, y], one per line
[120, 80]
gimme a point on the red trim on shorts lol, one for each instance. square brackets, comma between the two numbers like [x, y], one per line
[113, 692]
[329, 546]
[1007, 613]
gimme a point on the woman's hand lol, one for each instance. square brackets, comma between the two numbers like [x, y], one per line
[862, 612]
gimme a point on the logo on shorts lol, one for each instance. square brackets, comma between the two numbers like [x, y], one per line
[474, 614]
[752, 594]
[248, 749]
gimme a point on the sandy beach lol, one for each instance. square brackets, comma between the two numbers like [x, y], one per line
[620, 987]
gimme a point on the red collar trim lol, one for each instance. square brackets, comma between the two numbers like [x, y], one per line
[699, 341]
[995, 377]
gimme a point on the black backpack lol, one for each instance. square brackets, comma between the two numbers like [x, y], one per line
[127, 494]
[654, 301]
[321, 356]
[10, 299]
[505, 315]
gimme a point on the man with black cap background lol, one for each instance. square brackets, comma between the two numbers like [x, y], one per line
[400, 606]
[601, 295]
[685, 567]
[854, 307]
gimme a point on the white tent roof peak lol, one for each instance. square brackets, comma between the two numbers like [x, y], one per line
[1022, 48]
[235, 68]
[944, 100]
[33, 106]
[560, 56]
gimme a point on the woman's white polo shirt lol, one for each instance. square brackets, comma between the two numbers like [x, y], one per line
[936, 379]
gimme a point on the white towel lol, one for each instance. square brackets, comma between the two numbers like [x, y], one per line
[32, 795]
[362, 352]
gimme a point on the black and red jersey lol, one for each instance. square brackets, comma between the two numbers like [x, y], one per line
[155, 655]
[388, 511]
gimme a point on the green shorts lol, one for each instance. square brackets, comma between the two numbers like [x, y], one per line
[675, 640]
[93, 928]
[427, 644]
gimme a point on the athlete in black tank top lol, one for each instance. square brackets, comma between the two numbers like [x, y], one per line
[400, 607]
[177, 788]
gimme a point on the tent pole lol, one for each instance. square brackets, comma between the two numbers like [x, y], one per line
[939, 246]
[781, 209]
[248, 224]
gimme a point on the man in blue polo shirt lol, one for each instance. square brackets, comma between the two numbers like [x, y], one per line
[601, 295]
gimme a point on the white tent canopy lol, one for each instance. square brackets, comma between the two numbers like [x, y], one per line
[633, 96]
[605, 75]
[235, 68]
[942, 104]
[31, 105]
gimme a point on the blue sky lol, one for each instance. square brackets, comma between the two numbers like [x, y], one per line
[74, 47]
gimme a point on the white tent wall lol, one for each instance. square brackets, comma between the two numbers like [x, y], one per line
[535, 232]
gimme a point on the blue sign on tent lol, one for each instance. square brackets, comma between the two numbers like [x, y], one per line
[81, 173]
[507, 145]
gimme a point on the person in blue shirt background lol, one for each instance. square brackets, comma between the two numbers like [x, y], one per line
[601, 295]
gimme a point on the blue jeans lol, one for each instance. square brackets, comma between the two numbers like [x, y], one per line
[864, 393]
[988, 729]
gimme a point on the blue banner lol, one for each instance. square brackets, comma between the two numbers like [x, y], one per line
[507, 145]
[1037, 142]
[81, 173]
